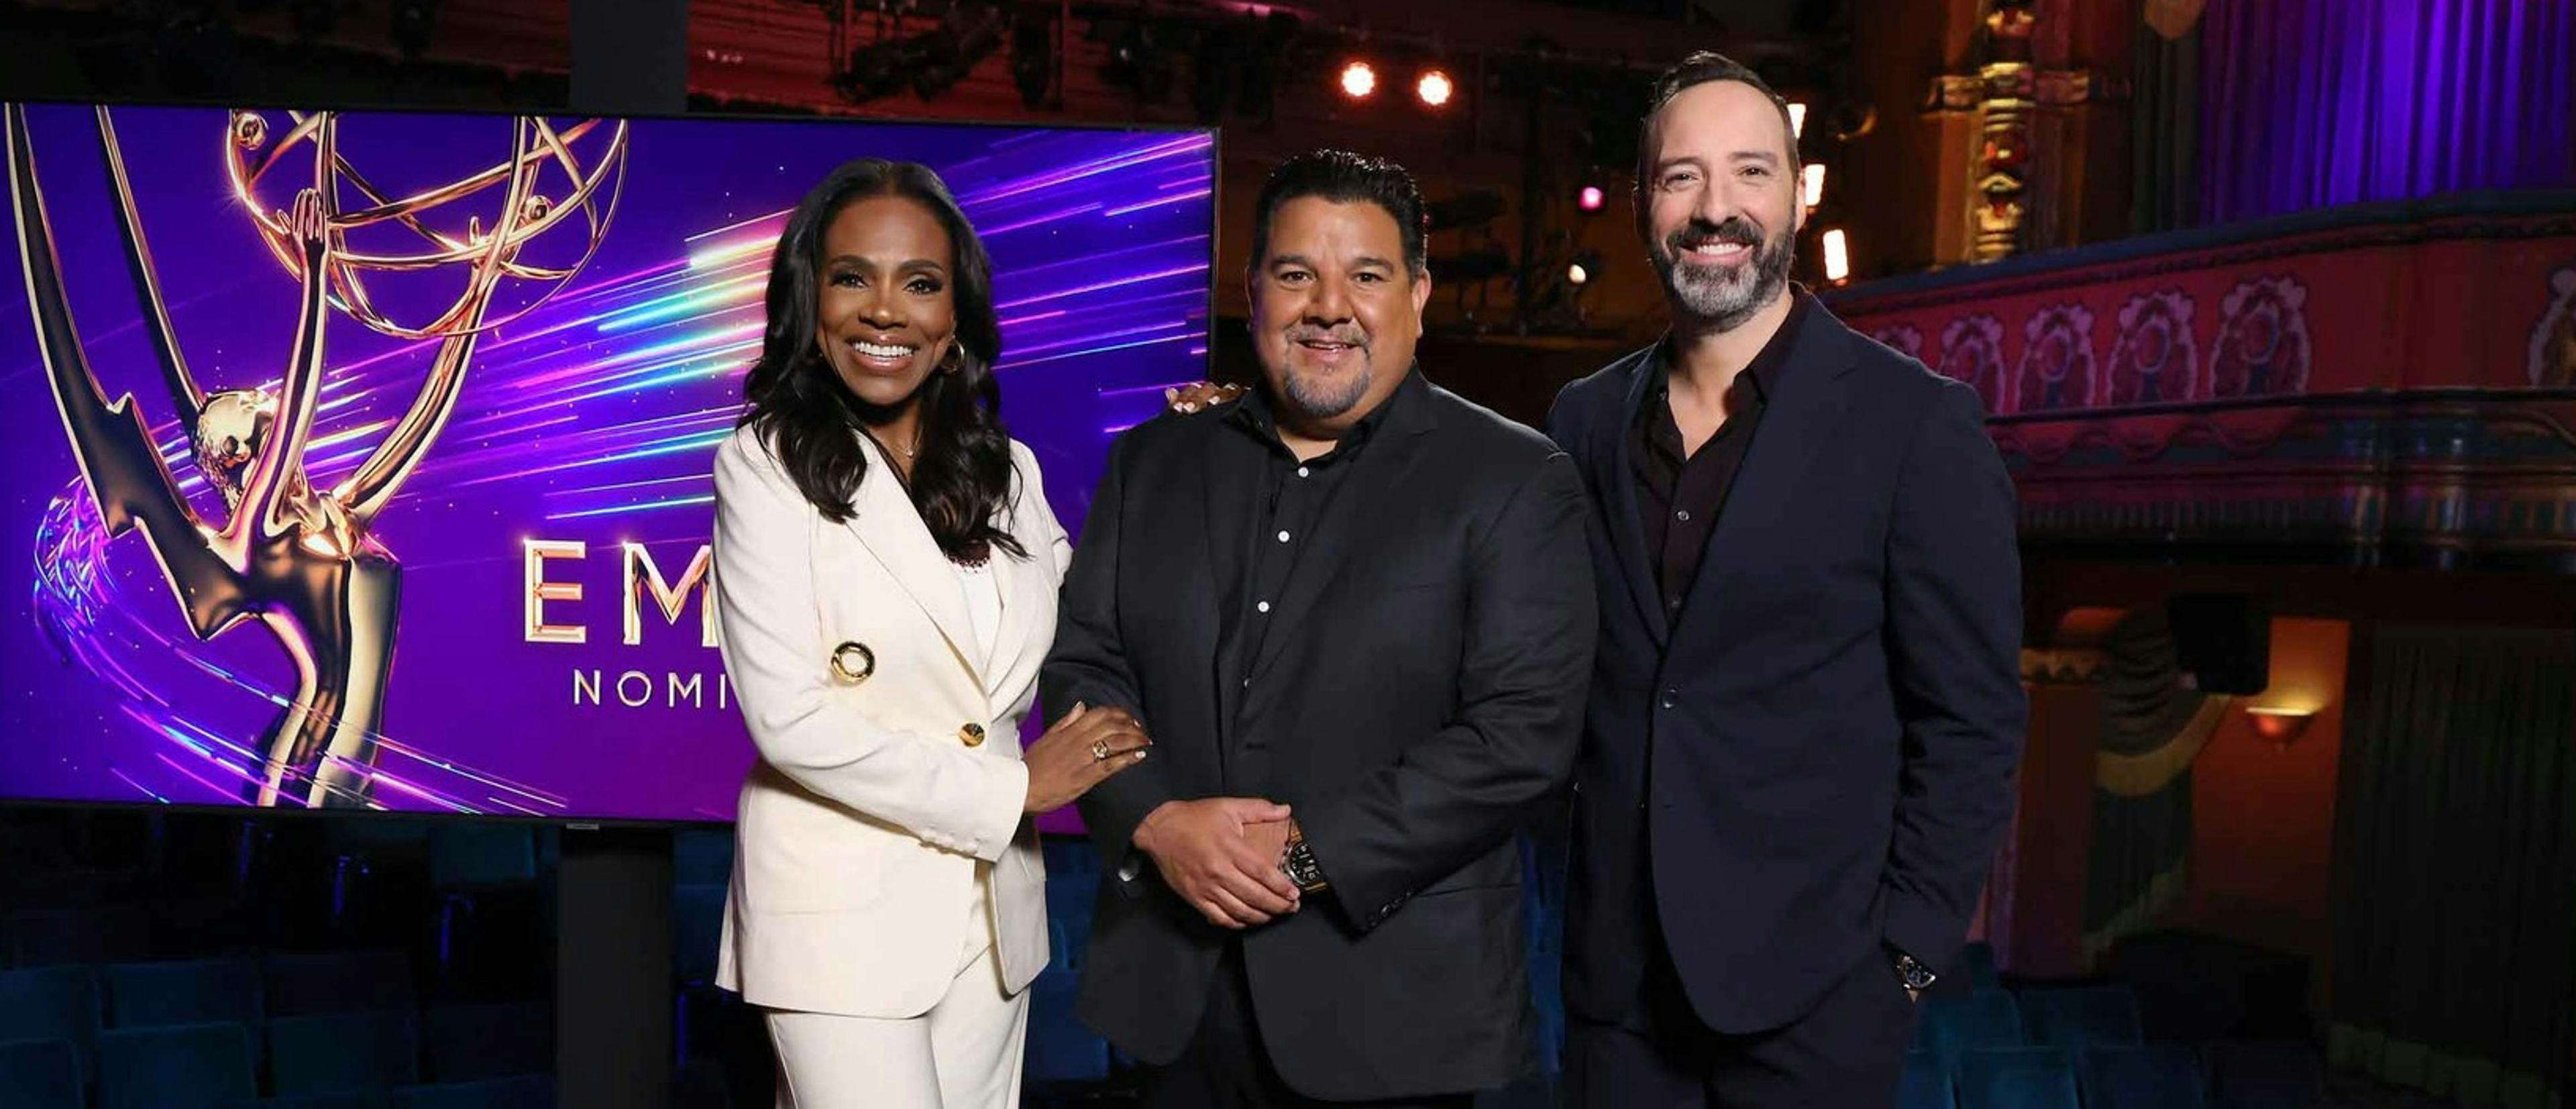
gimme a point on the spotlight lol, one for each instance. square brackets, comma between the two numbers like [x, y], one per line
[1585, 266]
[1434, 88]
[1591, 198]
[1811, 184]
[1797, 119]
[1359, 80]
[1837, 256]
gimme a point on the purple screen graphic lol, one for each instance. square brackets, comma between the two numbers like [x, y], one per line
[587, 420]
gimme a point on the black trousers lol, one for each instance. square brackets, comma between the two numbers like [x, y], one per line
[1226, 1066]
[1847, 1053]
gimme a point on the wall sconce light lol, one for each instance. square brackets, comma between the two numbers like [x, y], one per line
[2279, 727]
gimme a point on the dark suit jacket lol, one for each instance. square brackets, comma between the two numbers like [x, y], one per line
[1423, 685]
[1817, 753]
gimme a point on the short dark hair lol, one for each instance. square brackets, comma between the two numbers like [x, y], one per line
[1704, 67]
[1344, 178]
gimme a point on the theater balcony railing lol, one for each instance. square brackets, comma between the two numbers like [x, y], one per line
[2389, 384]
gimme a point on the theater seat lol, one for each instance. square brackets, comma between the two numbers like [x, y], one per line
[64, 937]
[469, 855]
[702, 856]
[337, 1052]
[1070, 900]
[352, 1100]
[190, 1066]
[484, 875]
[2153, 1076]
[1977, 967]
[336, 982]
[466, 1043]
[2016, 1078]
[697, 928]
[2082, 1017]
[147, 995]
[501, 1093]
[40, 1074]
[52, 1003]
[1954, 1025]
[1060, 1048]
[1925, 1084]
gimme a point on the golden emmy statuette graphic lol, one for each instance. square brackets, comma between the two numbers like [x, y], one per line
[303, 562]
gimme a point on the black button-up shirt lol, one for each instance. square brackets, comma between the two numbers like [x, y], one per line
[1679, 494]
[1294, 496]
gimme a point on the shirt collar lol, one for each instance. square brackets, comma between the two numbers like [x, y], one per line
[1255, 415]
[1768, 364]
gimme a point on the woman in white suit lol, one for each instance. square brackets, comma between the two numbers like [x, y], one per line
[886, 572]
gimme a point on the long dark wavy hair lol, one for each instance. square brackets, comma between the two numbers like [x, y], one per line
[963, 476]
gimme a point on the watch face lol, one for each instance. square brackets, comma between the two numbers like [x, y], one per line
[1300, 866]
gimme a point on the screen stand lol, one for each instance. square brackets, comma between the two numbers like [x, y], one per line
[613, 996]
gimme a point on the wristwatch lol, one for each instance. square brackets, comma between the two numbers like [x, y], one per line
[1912, 972]
[1298, 862]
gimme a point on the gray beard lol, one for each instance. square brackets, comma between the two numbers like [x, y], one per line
[1725, 301]
[1316, 400]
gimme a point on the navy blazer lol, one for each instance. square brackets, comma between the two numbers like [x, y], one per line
[1817, 752]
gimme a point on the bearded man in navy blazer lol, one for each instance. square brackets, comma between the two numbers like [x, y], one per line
[1806, 707]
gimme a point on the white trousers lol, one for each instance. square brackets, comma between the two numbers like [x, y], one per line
[962, 1054]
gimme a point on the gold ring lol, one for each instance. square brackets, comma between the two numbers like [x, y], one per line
[853, 662]
[1099, 750]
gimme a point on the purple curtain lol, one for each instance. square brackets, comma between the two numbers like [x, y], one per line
[2309, 103]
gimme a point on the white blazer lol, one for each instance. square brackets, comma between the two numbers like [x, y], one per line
[875, 796]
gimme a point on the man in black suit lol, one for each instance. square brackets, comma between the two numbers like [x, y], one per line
[1806, 706]
[1357, 614]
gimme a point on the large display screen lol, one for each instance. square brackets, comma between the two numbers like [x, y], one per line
[481, 584]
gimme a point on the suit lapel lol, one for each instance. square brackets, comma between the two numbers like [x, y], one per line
[1612, 440]
[1796, 424]
[1362, 499]
[890, 528]
[1027, 627]
[1017, 583]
